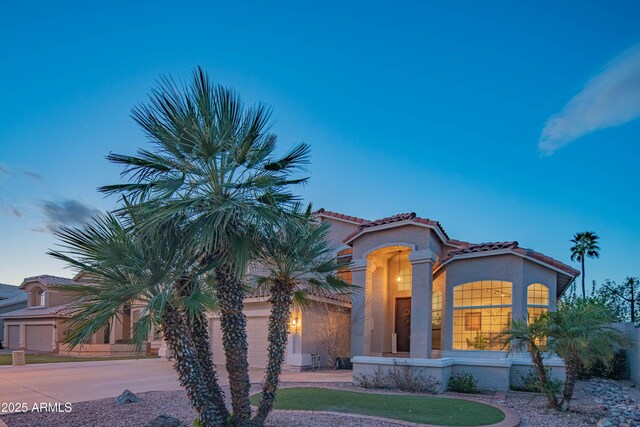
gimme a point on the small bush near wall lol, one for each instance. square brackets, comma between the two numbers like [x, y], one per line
[615, 370]
[463, 382]
[531, 383]
[399, 377]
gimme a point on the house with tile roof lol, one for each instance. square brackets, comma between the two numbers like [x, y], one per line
[40, 326]
[439, 304]
[424, 299]
[11, 298]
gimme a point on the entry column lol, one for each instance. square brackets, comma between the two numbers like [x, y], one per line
[421, 294]
[361, 320]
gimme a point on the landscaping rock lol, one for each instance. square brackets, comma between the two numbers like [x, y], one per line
[622, 409]
[127, 397]
[165, 421]
[604, 423]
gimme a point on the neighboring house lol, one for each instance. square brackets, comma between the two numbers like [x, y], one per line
[41, 327]
[11, 298]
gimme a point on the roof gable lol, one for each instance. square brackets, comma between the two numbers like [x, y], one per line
[48, 280]
[396, 221]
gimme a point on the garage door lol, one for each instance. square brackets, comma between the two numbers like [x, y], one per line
[39, 337]
[257, 332]
[14, 337]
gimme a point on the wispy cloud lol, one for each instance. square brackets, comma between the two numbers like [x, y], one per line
[611, 98]
[4, 171]
[11, 211]
[33, 175]
[66, 212]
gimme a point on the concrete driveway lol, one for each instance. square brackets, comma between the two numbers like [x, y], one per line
[81, 381]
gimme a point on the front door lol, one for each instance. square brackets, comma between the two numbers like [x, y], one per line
[403, 324]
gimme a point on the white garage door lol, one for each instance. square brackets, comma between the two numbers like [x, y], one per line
[14, 337]
[257, 332]
[39, 337]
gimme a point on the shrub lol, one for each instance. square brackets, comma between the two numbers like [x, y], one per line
[531, 383]
[463, 382]
[401, 377]
[616, 369]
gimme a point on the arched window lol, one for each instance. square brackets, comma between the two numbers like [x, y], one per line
[537, 300]
[344, 257]
[481, 311]
[42, 298]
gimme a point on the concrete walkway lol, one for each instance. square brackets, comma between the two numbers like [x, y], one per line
[81, 381]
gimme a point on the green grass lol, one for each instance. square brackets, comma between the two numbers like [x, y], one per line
[5, 359]
[417, 409]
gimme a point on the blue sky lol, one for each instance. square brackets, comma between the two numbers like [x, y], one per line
[502, 120]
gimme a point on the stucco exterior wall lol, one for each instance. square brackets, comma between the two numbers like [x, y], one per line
[318, 324]
[338, 231]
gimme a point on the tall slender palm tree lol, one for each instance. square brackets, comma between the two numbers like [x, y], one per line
[130, 265]
[295, 259]
[585, 245]
[581, 334]
[213, 162]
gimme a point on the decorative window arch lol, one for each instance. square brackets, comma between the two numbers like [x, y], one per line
[401, 271]
[38, 297]
[537, 300]
[481, 311]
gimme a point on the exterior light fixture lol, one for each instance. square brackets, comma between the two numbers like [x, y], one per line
[399, 276]
[294, 323]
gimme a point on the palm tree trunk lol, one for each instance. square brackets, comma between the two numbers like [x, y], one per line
[572, 364]
[538, 364]
[584, 295]
[176, 334]
[233, 323]
[202, 344]
[281, 298]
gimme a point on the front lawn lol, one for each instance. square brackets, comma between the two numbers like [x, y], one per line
[5, 359]
[417, 409]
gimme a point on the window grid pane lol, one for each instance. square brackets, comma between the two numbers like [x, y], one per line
[436, 312]
[483, 293]
[538, 294]
[482, 310]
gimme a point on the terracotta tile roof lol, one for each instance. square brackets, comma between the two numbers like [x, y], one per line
[471, 248]
[410, 216]
[63, 310]
[49, 280]
[336, 215]
[548, 260]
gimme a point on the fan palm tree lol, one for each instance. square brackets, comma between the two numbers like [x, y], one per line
[213, 162]
[581, 334]
[129, 266]
[295, 259]
[532, 336]
[585, 245]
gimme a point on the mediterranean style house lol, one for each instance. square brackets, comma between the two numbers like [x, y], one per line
[423, 300]
[438, 304]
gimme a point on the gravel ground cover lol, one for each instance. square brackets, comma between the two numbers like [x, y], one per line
[585, 411]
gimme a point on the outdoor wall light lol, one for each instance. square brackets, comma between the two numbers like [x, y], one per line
[294, 322]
